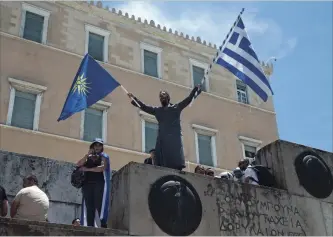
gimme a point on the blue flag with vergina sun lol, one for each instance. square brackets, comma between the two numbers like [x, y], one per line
[91, 84]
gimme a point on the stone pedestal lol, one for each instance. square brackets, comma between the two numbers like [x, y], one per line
[280, 156]
[149, 200]
[130, 211]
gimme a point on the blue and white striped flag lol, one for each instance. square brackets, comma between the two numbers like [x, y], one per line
[239, 58]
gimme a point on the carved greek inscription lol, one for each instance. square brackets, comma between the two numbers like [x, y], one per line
[243, 214]
[209, 191]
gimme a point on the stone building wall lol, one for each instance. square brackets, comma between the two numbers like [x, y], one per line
[52, 65]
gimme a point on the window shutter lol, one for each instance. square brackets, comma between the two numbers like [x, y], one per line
[198, 74]
[33, 28]
[24, 110]
[150, 63]
[205, 150]
[96, 46]
[151, 131]
[93, 124]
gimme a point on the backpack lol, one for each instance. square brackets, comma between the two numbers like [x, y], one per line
[265, 177]
[77, 178]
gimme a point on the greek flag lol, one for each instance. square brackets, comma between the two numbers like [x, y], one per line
[239, 58]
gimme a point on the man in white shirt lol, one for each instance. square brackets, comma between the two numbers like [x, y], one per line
[30, 203]
[250, 176]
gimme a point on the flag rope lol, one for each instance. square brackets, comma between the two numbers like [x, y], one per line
[217, 53]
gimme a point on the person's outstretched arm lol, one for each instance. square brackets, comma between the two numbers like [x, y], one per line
[145, 108]
[183, 104]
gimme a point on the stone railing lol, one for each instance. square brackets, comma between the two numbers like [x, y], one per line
[14, 227]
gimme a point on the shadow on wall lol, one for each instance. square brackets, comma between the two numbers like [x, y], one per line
[314, 174]
[181, 212]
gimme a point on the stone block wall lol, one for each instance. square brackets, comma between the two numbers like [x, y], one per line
[53, 177]
[280, 157]
[152, 200]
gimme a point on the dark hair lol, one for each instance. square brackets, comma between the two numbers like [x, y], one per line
[197, 168]
[243, 161]
[209, 171]
[32, 178]
[152, 150]
[167, 93]
[92, 146]
[75, 220]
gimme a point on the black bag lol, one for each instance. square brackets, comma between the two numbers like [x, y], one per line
[77, 178]
[265, 177]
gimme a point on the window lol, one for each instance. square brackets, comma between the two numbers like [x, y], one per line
[24, 110]
[97, 43]
[34, 23]
[198, 71]
[93, 124]
[149, 131]
[250, 151]
[249, 147]
[24, 104]
[94, 121]
[150, 63]
[95, 46]
[242, 92]
[205, 145]
[151, 60]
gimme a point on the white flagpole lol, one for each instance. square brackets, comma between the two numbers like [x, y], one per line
[217, 53]
[124, 89]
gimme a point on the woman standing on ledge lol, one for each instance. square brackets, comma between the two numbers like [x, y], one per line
[96, 186]
[169, 147]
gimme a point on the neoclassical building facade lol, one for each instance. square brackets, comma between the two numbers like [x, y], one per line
[41, 47]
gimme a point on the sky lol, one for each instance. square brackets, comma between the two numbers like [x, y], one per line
[298, 34]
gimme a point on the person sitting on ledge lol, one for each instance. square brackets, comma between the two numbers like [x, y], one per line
[209, 172]
[76, 222]
[150, 160]
[199, 170]
[30, 203]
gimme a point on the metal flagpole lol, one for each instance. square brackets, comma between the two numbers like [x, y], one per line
[218, 52]
[124, 89]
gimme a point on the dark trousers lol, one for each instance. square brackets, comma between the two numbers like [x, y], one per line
[93, 197]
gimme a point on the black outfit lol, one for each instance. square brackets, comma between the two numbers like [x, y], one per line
[93, 189]
[3, 197]
[148, 161]
[169, 146]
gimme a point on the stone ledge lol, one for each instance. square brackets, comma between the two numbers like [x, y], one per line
[15, 227]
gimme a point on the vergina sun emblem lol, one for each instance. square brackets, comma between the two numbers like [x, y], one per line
[81, 85]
